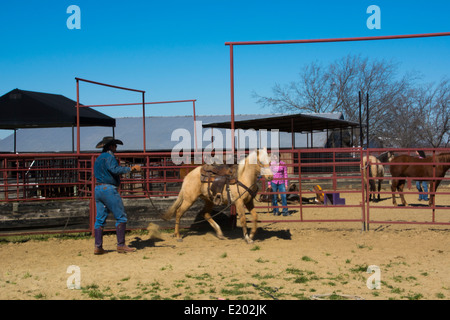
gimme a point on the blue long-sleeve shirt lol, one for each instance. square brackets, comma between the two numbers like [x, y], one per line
[107, 170]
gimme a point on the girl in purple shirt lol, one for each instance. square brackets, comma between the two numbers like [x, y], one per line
[279, 184]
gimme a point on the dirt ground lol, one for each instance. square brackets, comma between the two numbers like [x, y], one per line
[287, 261]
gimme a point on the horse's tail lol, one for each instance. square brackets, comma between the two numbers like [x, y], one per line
[173, 208]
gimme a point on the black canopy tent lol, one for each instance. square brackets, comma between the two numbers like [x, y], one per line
[22, 109]
[290, 123]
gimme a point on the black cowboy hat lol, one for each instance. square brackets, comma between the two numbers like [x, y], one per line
[108, 141]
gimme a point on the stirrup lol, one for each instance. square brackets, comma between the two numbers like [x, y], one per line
[217, 199]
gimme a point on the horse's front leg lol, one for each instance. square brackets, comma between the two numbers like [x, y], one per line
[241, 215]
[251, 207]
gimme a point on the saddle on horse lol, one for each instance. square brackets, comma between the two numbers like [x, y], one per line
[219, 176]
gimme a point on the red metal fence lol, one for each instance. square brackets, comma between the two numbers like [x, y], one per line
[334, 170]
[38, 178]
[415, 212]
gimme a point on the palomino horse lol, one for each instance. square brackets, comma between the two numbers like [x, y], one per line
[255, 164]
[419, 168]
[376, 170]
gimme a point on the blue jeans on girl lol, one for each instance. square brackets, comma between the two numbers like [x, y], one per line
[279, 188]
[422, 186]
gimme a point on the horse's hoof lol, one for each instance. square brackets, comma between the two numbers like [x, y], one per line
[221, 237]
[179, 240]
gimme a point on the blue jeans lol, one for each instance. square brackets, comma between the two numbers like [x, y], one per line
[279, 188]
[422, 186]
[107, 199]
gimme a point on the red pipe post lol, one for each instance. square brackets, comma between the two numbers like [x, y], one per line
[78, 116]
[143, 120]
[232, 96]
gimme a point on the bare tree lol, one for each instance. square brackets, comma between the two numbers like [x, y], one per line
[420, 117]
[397, 108]
[401, 128]
[433, 102]
[310, 94]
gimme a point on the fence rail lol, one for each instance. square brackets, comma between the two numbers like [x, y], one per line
[39, 178]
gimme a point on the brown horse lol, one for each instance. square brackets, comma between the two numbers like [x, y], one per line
[419, 168]
[255, 164]
[376, 170]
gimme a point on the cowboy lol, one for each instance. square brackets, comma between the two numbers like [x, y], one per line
[107, 198]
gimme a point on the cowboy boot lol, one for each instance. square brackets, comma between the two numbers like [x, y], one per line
[121, 246]
[98, 234]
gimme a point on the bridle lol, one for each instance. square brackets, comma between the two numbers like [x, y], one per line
[261, 165]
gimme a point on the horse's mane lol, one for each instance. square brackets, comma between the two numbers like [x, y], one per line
[243, 162]
[386, 156]
[252, 158]
[371, 158]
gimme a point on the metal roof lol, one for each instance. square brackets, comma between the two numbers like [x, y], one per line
[29, 109]
[159, 132]
[290, 123]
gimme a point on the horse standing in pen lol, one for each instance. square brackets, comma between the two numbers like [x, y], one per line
[240, 192]
[376, 170]
[413, 167]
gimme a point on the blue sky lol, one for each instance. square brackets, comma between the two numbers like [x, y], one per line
[176, 50]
